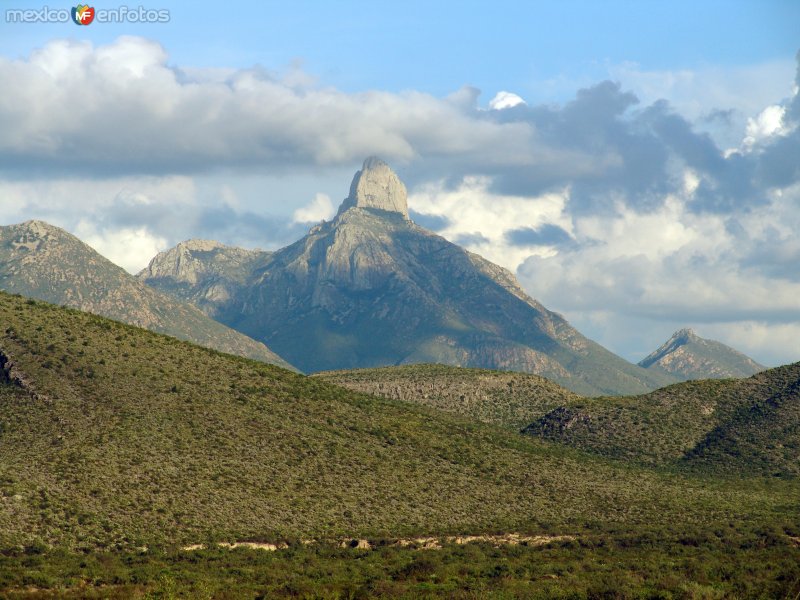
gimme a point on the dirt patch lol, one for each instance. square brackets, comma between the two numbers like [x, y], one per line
[417, 543]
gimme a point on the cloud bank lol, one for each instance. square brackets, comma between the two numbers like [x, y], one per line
[631, 213]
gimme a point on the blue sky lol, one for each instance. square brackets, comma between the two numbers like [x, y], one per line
[438, 47]
[640, 175]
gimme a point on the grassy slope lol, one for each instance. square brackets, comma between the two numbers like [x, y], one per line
[123, 437]
[504, 398]
[740, 425]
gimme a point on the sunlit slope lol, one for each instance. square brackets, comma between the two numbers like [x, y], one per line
[112, 435]
[505, 398]
[736, 425]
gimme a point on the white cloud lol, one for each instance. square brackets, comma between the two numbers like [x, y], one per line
[675, 266]
[472, 209]
[503, 100]
[767, 124]
[129, 248]
[122, 107]
[623, 215]
[319, 209]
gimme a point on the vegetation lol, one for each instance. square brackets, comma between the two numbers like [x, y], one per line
[506, 398]
[119, 446]
[648, 564]
[734, 425]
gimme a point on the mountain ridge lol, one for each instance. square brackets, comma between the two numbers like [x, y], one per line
[749, 425]
[42, 261]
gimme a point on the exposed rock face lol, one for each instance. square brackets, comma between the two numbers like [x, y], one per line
[688, 356]
[45, 262]
[377, 186]
[203, 272]
[371, 288]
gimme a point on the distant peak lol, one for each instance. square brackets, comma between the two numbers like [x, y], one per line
[37, 226]
[373, 162]
[376, 185]
[197, 245]
[686, 334]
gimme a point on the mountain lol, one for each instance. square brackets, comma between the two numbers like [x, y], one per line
[371, 288]
[507, 398]
[204, 272]
[741, 425]
[688, 356]
[41, 261]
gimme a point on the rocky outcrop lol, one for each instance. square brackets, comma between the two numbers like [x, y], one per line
[203, 272]
[377, 186]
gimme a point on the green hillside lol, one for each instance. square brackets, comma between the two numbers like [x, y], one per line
[117, 436]
[505, 398]
[763, 434]
[118, 446]
[744, 425]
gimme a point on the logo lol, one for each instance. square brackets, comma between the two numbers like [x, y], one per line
[83, 14]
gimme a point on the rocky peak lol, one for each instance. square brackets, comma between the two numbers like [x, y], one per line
[195, 245]
[684, 335]
[377, 186]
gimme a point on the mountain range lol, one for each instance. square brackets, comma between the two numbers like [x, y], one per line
[371, 288]
[45, 262]
[368, 289]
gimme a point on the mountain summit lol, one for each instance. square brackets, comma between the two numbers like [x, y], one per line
[371, 288]
[377, 186]
[688, 356]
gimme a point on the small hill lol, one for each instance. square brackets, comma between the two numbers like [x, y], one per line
[761, 435]
[371, 289]
[744, 425]
[505, 398]
[688, 356]
[45, 262]
[115, 437]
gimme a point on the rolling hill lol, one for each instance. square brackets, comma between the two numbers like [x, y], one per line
[115, 437]
[738, 425]
[505, 398]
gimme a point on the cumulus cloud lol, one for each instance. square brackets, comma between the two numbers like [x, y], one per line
[319, 209]
[129, 248]
[503, 100]
[121, 108]
[474, 216]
